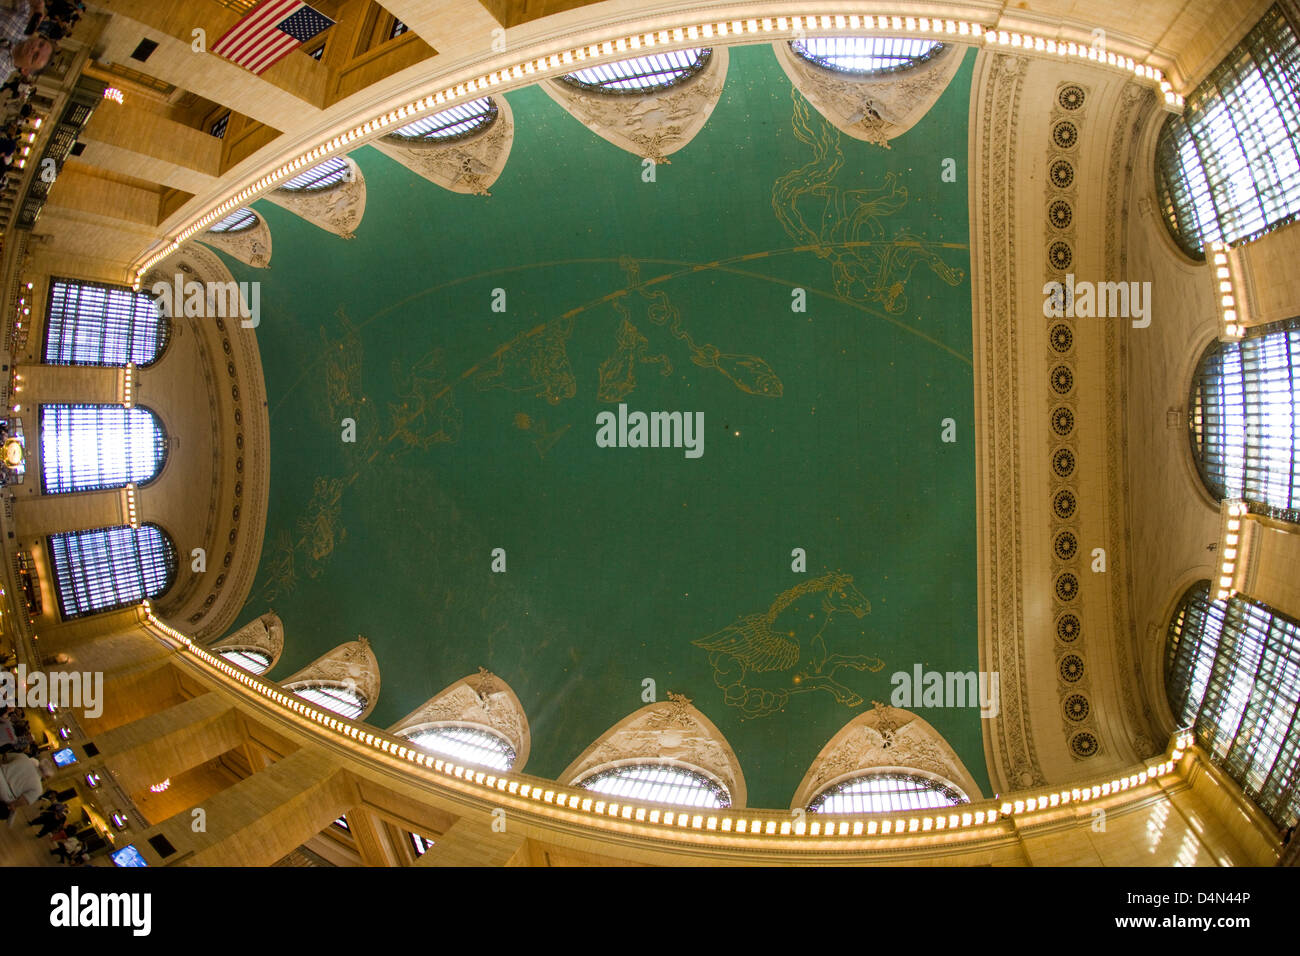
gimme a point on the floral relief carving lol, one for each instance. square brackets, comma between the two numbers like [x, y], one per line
[885, 737]
[672, 731]
[468, 166]
[250, 246]
[483, 700]
[352, 664]
[337, 209]
[872, 109]
[265, 634]
[653, 125]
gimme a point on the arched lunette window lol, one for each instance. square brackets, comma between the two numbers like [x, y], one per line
[1232, 673]
[866, 56]
[886, 792]
[111, 568]
[659, 783]
[470, 744]
[1245, 419]
[337, 698]
[642, 74]
[333, 172]
[250, 659]
[97, 447]
[1228, 168]
[459, 122]
[88, 323]
[241, 220]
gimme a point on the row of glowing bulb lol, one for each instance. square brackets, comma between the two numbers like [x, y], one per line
[31, 138]
[586, 803]
[1228, 558]
[128, 385]
[1227, 294]
[131, 515]
[23, 308]
[633, 44]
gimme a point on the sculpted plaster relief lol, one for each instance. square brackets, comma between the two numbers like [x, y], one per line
[469, 165]
[483, 700]
[352, 664]
[337, 209]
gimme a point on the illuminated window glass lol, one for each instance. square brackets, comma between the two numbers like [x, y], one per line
[238, 221]
[397, 30]
[110, 568]
[218, 129]
[469, 744]
[342, 824]
[1245, 420]
[1228, 168]
[1233, 674]
[92, 324]
[332, 172]
[94, 447]
[886, 793]
[459, 122]
[642, 74]
[865, 56]
[420, 844]
[336, 698]
[659, 783]
[251, 660]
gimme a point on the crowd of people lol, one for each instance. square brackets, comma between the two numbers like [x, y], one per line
[22, 784]
[29, 33]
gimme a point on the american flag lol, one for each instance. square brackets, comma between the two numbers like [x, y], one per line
[270, 32]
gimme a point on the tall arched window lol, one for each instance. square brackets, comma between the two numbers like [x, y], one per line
[1233, 674]
[1245, 420]
[95, 447]
[659, 783]
[866, 56]
[642, 74]
[459, 122]
[886, 792]
[333, 172]
[471, 744]
[1228, 168]
[92, 324]
[241, 220]
[110, 568]
[337, 698]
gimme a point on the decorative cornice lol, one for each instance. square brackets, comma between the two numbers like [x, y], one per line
[995, 106]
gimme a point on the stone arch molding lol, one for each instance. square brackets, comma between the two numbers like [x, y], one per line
[885, 738]
[265, 634]
[652, 125]
[671, 732]
[469, 165]
[337, 209]
[482, 700]
[250, 246]
[352, 664]
[874, 109]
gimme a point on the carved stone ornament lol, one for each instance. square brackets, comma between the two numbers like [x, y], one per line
[670, 731]
[250, 246]
[469, 165]
[265, 634]
[352, 664]
[885, 738]
[653, 125]
[874, 109]
[337, 209]
[481, 700]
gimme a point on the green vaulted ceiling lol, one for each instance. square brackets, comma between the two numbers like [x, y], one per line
[476, 429]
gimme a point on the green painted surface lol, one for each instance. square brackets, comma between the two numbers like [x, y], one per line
[477, 429]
